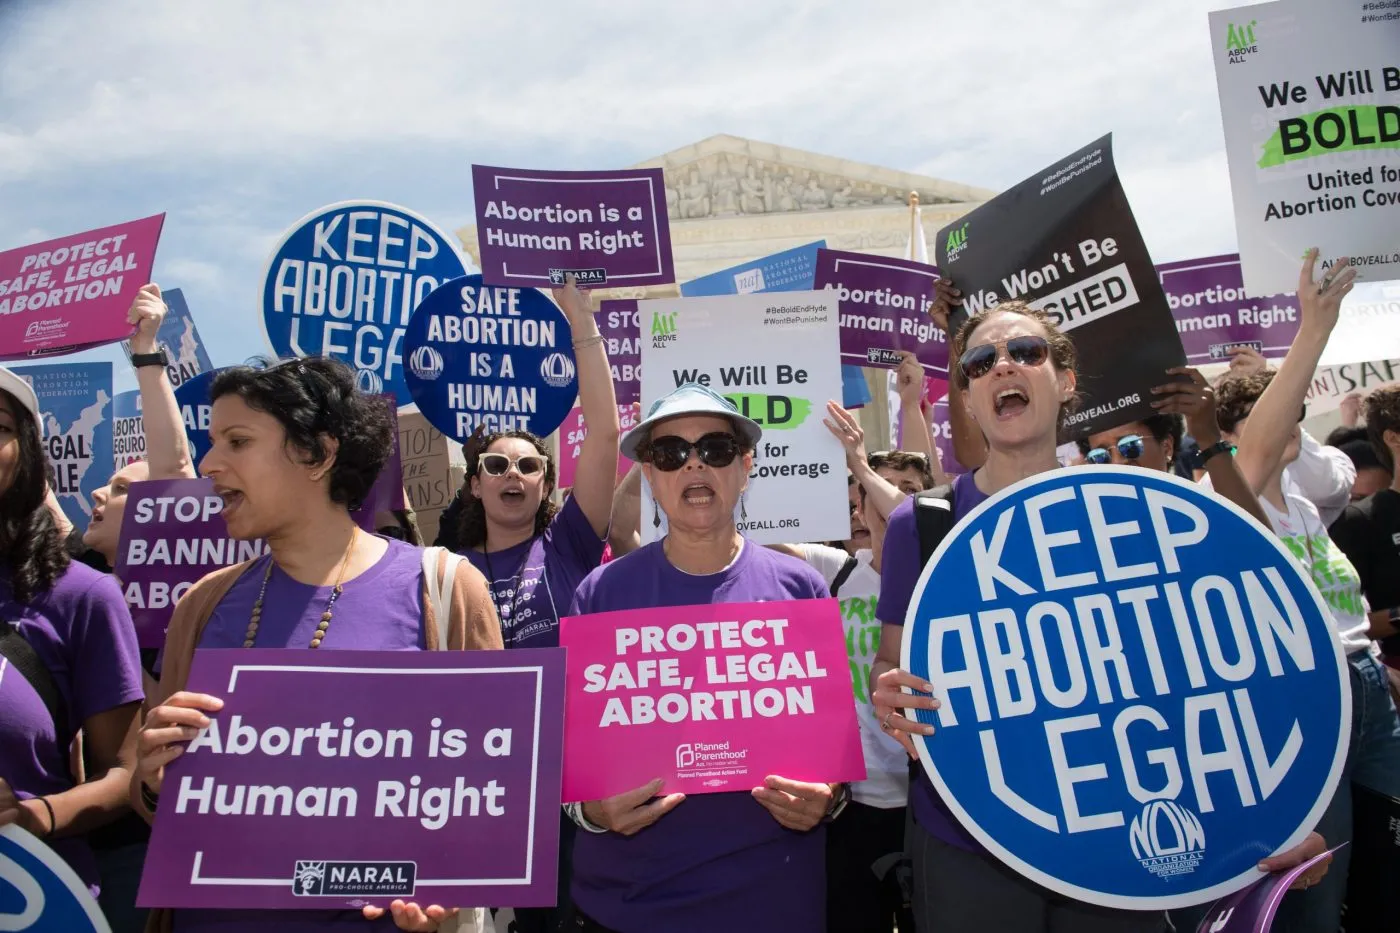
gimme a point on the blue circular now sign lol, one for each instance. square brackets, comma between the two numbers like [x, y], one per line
[344, 281]
[195, 411]
[1141, 694]
[39, 892]
[478, 354]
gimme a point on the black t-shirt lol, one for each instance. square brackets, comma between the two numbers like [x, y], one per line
[1369, 533]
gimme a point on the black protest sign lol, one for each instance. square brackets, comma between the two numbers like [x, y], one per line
[1065, 241]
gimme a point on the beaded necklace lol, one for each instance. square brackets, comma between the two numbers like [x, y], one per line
[251, 635]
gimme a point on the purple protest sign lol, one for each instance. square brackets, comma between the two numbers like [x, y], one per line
[1252, 909]
[1212, 313]
[71, 293]
[339, 779]
[884, 310]
[942, 430]
[608, 228]
[386, 495]
[172, 534]
[620, 323]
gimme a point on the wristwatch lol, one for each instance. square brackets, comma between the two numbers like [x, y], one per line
[1219, 447]
[159, 358]
[838, 802]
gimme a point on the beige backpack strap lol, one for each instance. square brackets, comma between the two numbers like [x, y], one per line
[439, 575]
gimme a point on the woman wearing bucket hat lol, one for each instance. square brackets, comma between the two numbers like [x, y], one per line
[647, 860]
[68, 659]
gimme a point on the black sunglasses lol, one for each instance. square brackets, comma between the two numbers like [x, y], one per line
[1029, 350]
[1129, 445]
[670, 453]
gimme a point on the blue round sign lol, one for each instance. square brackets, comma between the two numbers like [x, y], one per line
[195, 411]
[501, 357]
[344, 281]
[39, 892]
[1141, 694]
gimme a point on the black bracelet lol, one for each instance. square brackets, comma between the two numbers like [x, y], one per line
[149, 798]
[53, 820]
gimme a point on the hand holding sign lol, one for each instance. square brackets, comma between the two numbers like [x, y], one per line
[909, 381]
[945, 299]
[147, 313]
[1194, 399]
[1309, 848]
[631, 812]
[891, 696]
[411, 916]
[797, 805]
[9, 803]
[167, 728]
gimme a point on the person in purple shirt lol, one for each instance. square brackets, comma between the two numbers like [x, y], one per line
[1015, 375]
[646, 860]
[68, 660]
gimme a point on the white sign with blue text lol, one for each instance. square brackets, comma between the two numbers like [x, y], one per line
[1141, 694]
[39, 892]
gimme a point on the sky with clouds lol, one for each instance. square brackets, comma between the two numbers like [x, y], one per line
[236, 119]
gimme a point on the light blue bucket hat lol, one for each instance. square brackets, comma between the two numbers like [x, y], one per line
[689, 398]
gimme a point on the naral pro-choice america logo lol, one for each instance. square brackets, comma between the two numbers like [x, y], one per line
[344, 879]
[1119, 656]
[1240, 41]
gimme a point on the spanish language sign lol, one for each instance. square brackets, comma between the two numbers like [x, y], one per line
[39, 891]
[1310, 100]
[884, 310]
[776, 358]
[196, 411]
[1212, 313]
[574, 431]
[1331, 384]
[172, 535]
[188, 357]
[483, 355]
[607, 228]
[713, 698]
[1065, 241]
[620, 323]
[71, 293]
[343, 282]
[128, 429]
[1119, 656]
[75, 406]
[332, 780]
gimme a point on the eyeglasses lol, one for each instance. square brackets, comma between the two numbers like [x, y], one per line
[1129, 445]
[1029, 350]
[670, 453]
[500, 464]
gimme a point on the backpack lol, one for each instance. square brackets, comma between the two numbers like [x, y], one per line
[933, 518]
[15, 648]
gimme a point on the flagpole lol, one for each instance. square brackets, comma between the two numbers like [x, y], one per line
[913, 222]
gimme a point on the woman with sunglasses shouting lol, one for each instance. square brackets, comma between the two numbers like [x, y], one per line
[649, 860]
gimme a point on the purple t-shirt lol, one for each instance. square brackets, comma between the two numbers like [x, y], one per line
[81, 630]
[533, 582]
[380, 610]
[899, 574]
[717, 861]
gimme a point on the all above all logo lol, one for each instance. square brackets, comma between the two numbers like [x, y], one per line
[957, 242]
[1240, 41]
[663, 328]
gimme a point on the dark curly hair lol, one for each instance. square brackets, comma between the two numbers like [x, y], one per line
[1382, 409]
[1161, 427]
[1236, 396]
[472, 525]
[30, 545]
[315, 399]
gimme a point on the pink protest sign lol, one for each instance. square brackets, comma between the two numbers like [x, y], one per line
[571, 435]
[711, 698]
[72, 293]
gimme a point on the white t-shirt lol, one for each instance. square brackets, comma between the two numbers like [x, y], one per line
[886, 784]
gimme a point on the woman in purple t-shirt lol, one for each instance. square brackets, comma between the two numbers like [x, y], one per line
[68, 659]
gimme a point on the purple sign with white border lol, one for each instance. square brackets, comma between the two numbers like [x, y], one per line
[608, 228]
[1212, 313]
[172, 534]
[620, 323]
[340, 779]
[884, 310]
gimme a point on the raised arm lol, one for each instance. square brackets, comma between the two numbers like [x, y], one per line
[969, 445]
[625, 532]
[167, 450]
[879, 492]
[914, 433]
[597, 463]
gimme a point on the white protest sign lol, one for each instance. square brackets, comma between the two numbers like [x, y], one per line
[1310, 101]
[1369, 326]
[776, 356]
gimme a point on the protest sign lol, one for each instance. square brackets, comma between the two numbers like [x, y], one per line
[1331, 384]
[1065, 241]
[571, 437]
[499, 357]
[942, 429]
[1375, 862]
[1212, 313]
[196, 410]
[172, 534]
[430, 477]
[75, 407]
[335, 779]
[343, 282]
[712, 698]
[387, 493]
[620, 323]
[776, 358]
[1310, 102]
[884, 310]
[68, 294]
[180, 337]
[39, 891]
[1120, 719]
[607, 228]
[1368, 327]
[128, 429]
[1252, 909]
[792, 270]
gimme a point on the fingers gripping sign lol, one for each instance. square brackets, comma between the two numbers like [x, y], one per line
[631, 812]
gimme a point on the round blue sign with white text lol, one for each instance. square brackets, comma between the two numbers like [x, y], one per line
[477, 354]
[1142, 695]
[195, 411]
[344, 281]
[39, 892]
